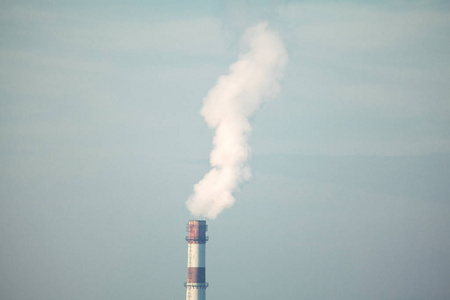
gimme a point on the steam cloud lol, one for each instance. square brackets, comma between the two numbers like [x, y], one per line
[253, 79]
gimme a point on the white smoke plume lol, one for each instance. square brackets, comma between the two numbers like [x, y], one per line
[253, 79]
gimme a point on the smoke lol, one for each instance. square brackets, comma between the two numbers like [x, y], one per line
[253, 79]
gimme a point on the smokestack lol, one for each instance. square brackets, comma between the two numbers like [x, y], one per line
[196, 285]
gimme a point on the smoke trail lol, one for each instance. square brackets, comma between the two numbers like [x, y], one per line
[253, 79]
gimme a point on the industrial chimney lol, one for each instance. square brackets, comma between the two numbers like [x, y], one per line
[196, 285]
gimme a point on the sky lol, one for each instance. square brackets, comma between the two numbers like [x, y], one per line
[101, 143]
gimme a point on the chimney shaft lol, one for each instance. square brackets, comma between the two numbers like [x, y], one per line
[196, 284]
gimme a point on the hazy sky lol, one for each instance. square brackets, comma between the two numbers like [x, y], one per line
[101, 142]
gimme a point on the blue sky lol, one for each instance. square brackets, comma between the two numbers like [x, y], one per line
[101, 142]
